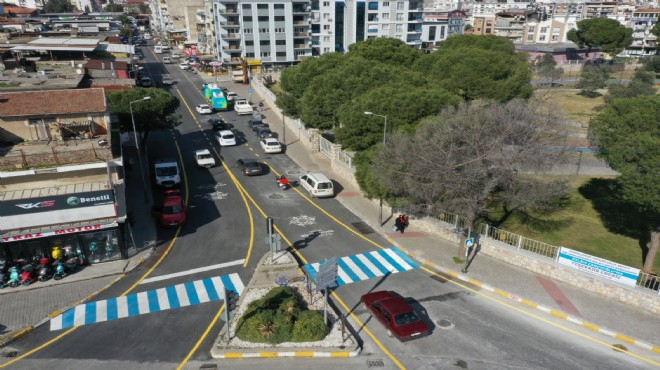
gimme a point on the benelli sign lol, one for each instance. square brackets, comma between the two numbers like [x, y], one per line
[70, 230]
[56, 202]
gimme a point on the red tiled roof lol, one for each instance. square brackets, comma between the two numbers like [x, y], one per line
[113, 39]
[18, 10]
[98, 64]
[37, 103]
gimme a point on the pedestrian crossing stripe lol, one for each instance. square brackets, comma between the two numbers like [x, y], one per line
[367, 266]
[175, 296]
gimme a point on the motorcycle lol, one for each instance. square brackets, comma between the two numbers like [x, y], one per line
[64, 268]
[45, 271]
[283, 183]
[14, 277]
[29, 274]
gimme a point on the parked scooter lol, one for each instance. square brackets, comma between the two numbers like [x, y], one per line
[29, 274]
[45, 269]
[14, 277]
[64, 268]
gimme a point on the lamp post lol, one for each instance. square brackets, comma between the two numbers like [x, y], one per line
[137, 146]
[380, 216]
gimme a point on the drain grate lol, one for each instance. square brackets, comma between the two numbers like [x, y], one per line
[375, 363]
[445, 324]
[363, 228]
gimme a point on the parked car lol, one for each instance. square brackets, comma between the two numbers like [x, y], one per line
[217, 124]
[204, 109]
[184, 66]
[167, 80]
[241, 106]
[271, 145]
[167, 60]
[254, 121]
[249, 167]
[264, 132]
[231, 95]
[145, 81]
[173, 210]
[204, 158]
[398, 317]
[167, 172]
[225, 138]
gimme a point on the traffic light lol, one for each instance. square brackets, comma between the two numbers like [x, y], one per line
[231, 303]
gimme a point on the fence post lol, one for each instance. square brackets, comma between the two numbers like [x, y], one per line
[519, 241]
[486, 231]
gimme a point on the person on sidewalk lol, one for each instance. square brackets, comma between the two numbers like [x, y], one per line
[401, 223]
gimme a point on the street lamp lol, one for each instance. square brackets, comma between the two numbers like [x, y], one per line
[137, 146]
[380, 216]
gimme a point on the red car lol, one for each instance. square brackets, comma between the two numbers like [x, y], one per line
[399, 318]
[173, 211]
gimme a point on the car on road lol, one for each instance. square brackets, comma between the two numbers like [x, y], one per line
[254, 121]
[204, 109]
[167, 60]
[231, 96]
[167, 80]
[225, 138]
[167, 173]
[396, 314]
[173, 210]
[218, 124]
[145, 81]
[204, 158]
[184, 66]
[241, 106]
[264, 132]
[271, 145]
[249, 167]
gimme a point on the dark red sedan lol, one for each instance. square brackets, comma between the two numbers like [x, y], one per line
[399, 318]
[173, 210]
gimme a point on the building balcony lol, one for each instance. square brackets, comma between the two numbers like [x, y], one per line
[302, 34]
[232, 48]
[302, 46]
[301, 9]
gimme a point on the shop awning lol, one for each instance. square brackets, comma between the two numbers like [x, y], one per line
[46, 231]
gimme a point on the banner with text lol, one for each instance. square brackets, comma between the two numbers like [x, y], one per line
[598, 266]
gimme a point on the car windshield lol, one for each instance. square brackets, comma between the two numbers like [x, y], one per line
[204, 156]
[166, 171]
[228, 136]
[172, 210]
[406, 318]
[272, 143]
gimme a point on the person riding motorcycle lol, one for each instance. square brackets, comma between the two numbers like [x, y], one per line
[283, 181]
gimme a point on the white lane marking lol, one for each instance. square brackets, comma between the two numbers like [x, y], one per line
[193, 271]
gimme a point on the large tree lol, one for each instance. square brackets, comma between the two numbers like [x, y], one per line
[458, 159]
[385, 50]
[594, 77]
[546, 68]
[607, 34]
[642, 84]
[150, 115]
[112, 7]
[58, 6]
[627, 134]
[487, 69]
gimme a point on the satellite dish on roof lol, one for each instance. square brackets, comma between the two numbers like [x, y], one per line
[79, 71]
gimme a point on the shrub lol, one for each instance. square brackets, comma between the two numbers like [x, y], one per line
[309, 327]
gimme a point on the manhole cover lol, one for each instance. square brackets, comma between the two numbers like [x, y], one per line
[276, 196]
[208, 367]
[375, 363]
[445, 324]
[618, 347]
[363, 228]
[293, 172]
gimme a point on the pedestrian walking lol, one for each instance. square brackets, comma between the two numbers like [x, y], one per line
[401, 223]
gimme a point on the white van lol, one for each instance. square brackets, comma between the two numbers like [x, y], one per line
[167, 60]
[158, 49]
[317, 184]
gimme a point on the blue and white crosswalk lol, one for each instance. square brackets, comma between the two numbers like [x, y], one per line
[366, 266]
[175, 296]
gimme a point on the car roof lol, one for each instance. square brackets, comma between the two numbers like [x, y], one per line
[223, 132]
[271, 139]
[202, 151]
[203, 105]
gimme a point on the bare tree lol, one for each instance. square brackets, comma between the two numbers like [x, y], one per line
[458, 159]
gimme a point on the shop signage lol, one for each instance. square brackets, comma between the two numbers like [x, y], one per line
[56, 202]
[68, 230]
[598, 266]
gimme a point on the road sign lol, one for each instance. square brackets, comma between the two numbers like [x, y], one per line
[250, 90]
[469, 242]
[327, 275]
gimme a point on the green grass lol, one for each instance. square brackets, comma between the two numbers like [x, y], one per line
[592, 221]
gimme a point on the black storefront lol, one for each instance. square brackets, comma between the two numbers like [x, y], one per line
[82, 222]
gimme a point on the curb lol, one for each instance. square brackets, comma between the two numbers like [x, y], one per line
[529, 303]
[25, 331]
[264, 354]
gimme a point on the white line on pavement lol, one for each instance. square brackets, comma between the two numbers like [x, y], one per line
[193, 271]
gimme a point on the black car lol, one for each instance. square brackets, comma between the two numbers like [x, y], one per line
[254, 121]
[249, 167]
[265, 132]
[218, 124]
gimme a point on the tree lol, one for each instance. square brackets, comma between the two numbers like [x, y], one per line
[485, 69]
[546, 68]
[154, 114]
[652, 63]
[455, 161]
[126, 32]
[114, 8]
[124, 20]
[385, 50]
[144, 8]
[656, 30]
[628, 138]
[642, 84]
[608, 34]
[593, 77]
[58, 6]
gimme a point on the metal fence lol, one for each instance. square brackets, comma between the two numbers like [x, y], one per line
[325, 147]
[345, 158]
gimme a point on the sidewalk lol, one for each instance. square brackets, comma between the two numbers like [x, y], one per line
[558, 299]
[50, 298]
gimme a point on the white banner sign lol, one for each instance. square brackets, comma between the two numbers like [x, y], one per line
[598, 266]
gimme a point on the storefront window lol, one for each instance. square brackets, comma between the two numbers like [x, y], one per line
[68, 244]
[101, 246]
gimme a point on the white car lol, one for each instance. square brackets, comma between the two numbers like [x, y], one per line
[184, 66]
[204, 109]
[241, 106]
[271, 145]
[225, 138]
[204, 158]
[231, 96]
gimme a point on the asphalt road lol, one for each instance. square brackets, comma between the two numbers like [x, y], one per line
[226, 226]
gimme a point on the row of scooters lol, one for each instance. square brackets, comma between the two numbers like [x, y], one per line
[26, 272]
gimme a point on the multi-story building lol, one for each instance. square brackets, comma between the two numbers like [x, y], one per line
[399, 19]
[644, 42]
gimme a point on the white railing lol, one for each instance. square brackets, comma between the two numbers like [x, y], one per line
[325, 147]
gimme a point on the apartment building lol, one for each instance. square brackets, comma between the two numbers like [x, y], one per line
[644, 42]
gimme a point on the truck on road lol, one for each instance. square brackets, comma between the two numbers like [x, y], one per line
[238, 76]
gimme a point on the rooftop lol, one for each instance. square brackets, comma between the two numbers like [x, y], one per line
[36, 103]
